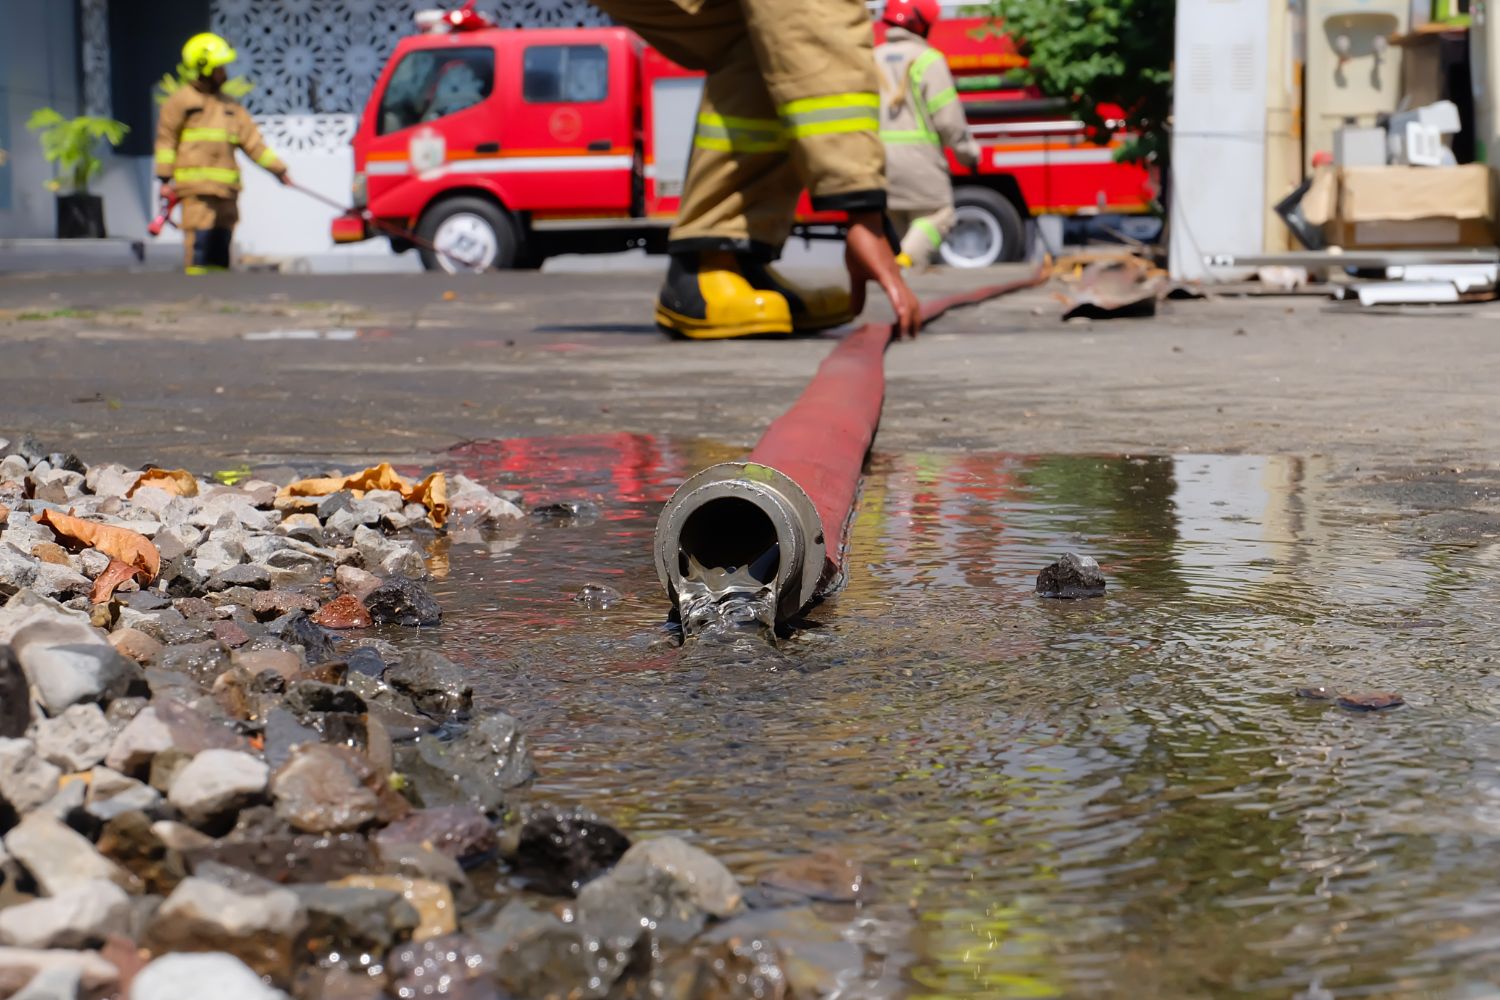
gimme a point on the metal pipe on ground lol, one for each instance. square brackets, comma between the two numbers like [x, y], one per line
[775, 526]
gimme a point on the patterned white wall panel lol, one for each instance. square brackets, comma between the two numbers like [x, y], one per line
[93, 30]
[314, 62]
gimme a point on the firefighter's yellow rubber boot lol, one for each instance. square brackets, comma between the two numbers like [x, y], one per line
[705, 297]
[813, 309]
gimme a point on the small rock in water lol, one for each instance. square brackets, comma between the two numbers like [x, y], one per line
[356, 582]
[825, 876]
[451, 967]
[578, 511]
[597, 597]
[1072, 576]
[560, 851]
[356, 922]
[463, 834]
[434, 902]
[344, 613]
[400, 601]
[259, 928]
[1371, 701]
[1317, 692]
[325, 789]
[433, 682]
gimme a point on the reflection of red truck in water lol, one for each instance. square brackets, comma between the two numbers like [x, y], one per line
[505, 147]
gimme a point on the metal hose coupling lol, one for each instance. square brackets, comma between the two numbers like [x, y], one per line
[739, 515]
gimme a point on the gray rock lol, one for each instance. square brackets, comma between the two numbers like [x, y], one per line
[143, 738]
[434, 683]
[17, 569]
[183, 977]
[241, 509]
[261, 929]
[55, 580]
[26, 780]
[177, 541]
[356, 582]
[700, 877]
[242, 575]
[20, 967]
[385, 500]
[168, 724]
[333, 503]
[58, 983]
[15, 696]
[57, 486]
[536, 954]
[92, 562]
[388, 557]
[305, 698]
[471, 504]
[112, 794]
[68, 799]
[355, 921]
[76, 740]
[70, 662]
[348, 520]
[223, 548]
[1072, 576]
[58, 857]
[110, 480]
[303, 527]
[217, 782]
[319, 790]
[13, 469]
[80, 917]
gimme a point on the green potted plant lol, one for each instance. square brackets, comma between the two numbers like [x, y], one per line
[71, 144]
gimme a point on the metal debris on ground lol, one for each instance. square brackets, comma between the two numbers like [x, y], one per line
[1110, 285]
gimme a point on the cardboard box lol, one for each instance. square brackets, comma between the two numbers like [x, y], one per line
[1396, 206]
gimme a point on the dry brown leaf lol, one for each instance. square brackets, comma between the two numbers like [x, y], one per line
[431, 492]
[128, 546]
[178, 482]
[4, 513]
[106, 583]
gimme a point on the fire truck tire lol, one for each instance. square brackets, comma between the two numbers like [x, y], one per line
[470, 229]
[989, 230]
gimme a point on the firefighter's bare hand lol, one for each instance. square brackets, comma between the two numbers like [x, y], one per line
[169, 191]
[868, 256]
[285, 177]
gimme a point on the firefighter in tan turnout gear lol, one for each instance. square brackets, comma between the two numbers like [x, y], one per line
[920, 115]
[791, 102]
[196, 138]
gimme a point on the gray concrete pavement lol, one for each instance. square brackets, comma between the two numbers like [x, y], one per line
[213, 371]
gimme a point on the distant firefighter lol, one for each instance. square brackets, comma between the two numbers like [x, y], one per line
[196, 139]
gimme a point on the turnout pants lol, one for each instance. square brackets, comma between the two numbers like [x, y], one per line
[922, 232]
[207, 230]
[791, 101]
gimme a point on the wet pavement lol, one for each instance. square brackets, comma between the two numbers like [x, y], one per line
[1123, 795]
[1053, 798]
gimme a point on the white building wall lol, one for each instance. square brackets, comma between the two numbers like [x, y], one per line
[38, 68]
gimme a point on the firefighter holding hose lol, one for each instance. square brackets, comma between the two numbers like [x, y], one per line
[791, 102]
[196, 138]
[920, 115]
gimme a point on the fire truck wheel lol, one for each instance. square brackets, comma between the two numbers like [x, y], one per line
[988, 230]
[469, 234]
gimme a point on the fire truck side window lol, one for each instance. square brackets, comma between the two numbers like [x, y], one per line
[431, 83]
[573, 73]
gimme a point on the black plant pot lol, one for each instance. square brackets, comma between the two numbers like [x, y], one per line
[80, 216]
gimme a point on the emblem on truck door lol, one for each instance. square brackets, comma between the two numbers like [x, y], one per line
[428, 150]
[565, 125]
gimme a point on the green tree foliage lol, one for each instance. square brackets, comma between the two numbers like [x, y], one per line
[1091, 51]
[71, 145]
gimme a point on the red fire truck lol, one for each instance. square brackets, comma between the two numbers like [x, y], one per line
[502, 147]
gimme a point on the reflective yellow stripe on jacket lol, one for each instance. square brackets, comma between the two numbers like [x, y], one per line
[209, 135]
[165, 156]
[835, 113]
[729, 134]
[219, 175]
[267, 159]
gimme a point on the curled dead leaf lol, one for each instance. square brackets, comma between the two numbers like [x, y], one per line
[107, 582]
[127, 546]
[431, 492]
[178, 482]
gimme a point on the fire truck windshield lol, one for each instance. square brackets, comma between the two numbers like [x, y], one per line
[429, 84]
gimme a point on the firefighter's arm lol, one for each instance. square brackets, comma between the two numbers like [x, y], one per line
[946, 112]
[255, 147]
[168, 131]
[818, 60]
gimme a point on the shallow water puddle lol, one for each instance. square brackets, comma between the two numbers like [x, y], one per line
[1122, 795]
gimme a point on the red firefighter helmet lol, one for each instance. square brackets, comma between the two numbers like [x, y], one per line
[914, 15]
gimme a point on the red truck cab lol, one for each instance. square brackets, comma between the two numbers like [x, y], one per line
[500, 147]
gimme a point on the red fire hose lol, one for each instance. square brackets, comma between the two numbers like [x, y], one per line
[799, 485]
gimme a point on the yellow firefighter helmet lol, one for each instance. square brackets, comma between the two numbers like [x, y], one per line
[207, 52]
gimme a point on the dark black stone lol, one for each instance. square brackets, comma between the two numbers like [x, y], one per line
[366, 661]
[300, 630]
[309, 697]
[567, 510]
[400, 601]
[243, 575]
[69, 462]
[144, 600]
[1070, 577]
[559, 851]
[15, 697]
[434, 683]
[333, 503]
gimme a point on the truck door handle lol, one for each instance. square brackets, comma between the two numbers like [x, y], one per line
[599, 146]
[487, 147]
